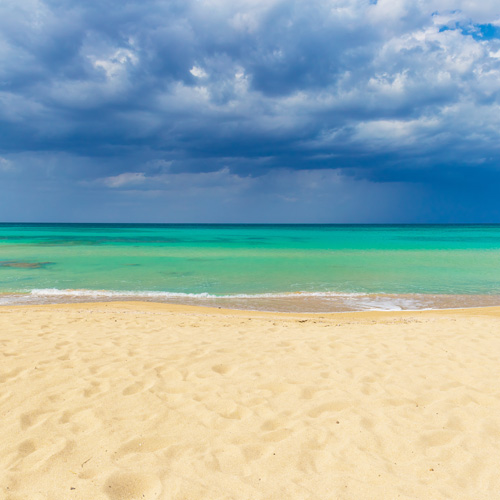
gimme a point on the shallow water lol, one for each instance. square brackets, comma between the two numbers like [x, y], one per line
[268, 267]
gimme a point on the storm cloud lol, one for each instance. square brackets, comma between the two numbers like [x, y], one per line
[250, 110]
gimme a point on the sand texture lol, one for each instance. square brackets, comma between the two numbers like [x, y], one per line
[125, 401]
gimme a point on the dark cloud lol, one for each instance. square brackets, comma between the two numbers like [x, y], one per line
[110, 104]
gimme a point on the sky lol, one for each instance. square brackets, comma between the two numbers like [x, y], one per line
[318, 111]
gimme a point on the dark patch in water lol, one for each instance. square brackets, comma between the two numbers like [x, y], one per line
[25, 265]
[107, 240]
[204, 259]
[176, 274]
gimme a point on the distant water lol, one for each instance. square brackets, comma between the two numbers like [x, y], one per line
[267, 267]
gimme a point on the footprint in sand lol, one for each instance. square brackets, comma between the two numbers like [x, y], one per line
[29, 419]
[437, 438]
[133, 486]
[26, 448]
[308, 392]
[133, 389]
[333, 407]
[95, 388]
[12, 374]
[252, 453]
[277, 435]
[221, 369]
[144, 445]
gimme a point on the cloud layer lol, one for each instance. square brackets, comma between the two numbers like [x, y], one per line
[211, 110]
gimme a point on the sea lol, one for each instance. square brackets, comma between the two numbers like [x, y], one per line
[296, 268]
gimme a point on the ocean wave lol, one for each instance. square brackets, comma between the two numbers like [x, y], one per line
[54, 292]
[299, 302]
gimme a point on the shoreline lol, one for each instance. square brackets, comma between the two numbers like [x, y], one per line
[293, 302]
[129, 400]
[169, 307]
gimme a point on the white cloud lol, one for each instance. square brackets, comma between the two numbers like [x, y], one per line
[198, 72]
[169, 181]
[398, 133]
[125, 179]
[115, 64]
[244, 21]
[5, 165]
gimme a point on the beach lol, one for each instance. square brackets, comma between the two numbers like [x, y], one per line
[131, 400]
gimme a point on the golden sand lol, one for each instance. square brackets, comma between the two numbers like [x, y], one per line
[125, 401]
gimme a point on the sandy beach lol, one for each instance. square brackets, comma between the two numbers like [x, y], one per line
[131, 401]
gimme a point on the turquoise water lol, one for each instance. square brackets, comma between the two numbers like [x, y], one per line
[257, 266]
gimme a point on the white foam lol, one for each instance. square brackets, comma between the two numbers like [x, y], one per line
[303, 301]
[55, 292]
[384, 303]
